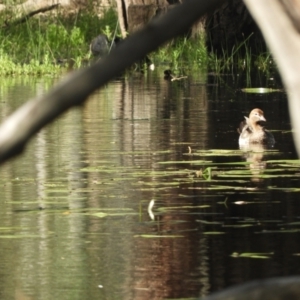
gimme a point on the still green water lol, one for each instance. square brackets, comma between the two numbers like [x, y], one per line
[74, 215]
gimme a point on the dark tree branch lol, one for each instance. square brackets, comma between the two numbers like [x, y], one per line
[281, 288]
[29, 15]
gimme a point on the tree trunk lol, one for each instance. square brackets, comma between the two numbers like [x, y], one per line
[135, 14]
[225, 28]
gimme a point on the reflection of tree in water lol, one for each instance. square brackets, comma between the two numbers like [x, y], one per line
[150, 120]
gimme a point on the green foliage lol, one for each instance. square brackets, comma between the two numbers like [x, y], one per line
[9, 67]
[37, 45]
[183, 52]
[192, 53]
[241, 58]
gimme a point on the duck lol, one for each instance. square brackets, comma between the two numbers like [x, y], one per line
[252, 130]
[100, 46]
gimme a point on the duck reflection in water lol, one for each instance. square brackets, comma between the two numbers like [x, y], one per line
[254, 140]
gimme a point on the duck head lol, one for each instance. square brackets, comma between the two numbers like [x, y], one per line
[256, 117]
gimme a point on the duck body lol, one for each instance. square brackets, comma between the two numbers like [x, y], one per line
[100, 45]
[252, 130]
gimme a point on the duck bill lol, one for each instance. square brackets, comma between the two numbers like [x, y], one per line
[262, 118]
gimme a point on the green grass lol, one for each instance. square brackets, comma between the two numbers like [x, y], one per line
[45, 45]
[183, 52]
[36, 46]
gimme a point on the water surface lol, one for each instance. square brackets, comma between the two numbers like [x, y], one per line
[74, 220]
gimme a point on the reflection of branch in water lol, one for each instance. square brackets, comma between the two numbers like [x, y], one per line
[150, 212]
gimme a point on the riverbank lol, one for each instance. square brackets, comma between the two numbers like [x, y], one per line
[53, 43]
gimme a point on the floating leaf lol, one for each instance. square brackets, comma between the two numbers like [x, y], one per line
[184, 162]
[239, 226]
[293, 224]
[119, 212]
[237, 163]
[170, 208]
[262, 255]
[209, 223]
[214, 232]
[241, 202]
[279, 231]
[218, 152]
[288, 190]
[18, 236]
[152, 236]
[285, 161]
[221, 187]
[260, 90]
[158, 183]
[207, 174]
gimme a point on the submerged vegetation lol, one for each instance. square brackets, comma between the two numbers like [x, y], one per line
[48, 45]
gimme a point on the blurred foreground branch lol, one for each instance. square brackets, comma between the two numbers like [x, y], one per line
[279, 21]
[75, 88]
[280, 288]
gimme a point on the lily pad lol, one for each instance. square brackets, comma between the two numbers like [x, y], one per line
[152, 236]
[260, 90]
[218, 152]
[214, 232]
[262, 255]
